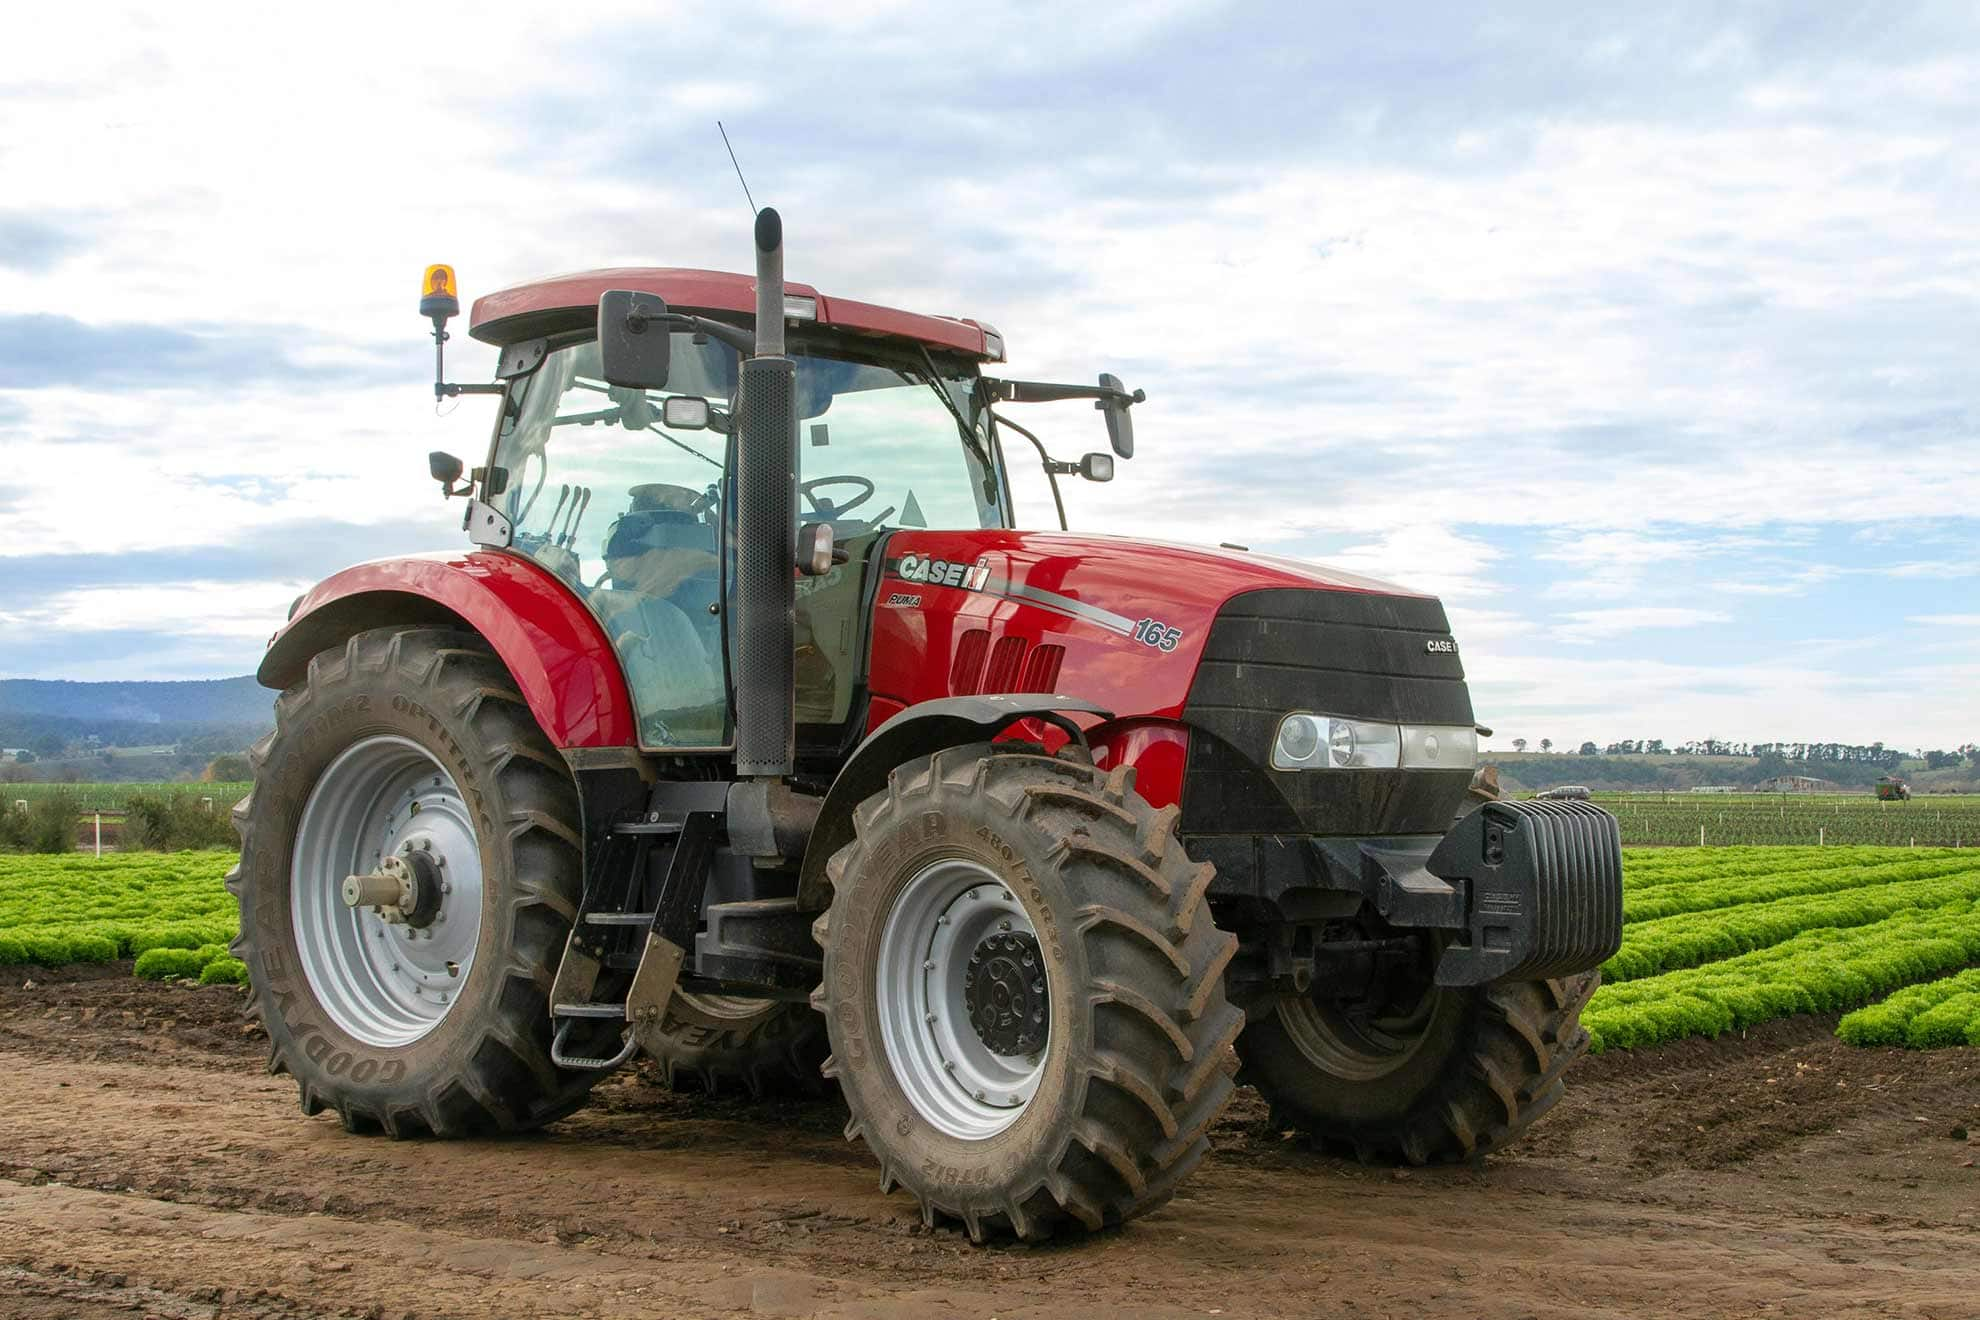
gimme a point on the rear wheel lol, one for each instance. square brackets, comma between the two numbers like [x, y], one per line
[1429, 1075]
[409, 753]
[1024, 992]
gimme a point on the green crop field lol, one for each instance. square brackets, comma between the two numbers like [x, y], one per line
[66, 909]
[112, 797]
[1718, 939]
[1740, 819]
[1714, 939]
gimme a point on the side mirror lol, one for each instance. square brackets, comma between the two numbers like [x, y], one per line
[815, 553]
[446, 469]
[1098, 467]
[634, 341]
[1120, 427]
[685, 412]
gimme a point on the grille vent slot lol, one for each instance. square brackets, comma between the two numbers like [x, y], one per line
[967, 672]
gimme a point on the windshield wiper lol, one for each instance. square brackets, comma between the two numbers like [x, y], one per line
[934, 382]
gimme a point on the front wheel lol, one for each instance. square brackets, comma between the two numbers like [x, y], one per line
[1427, 1074]
[1024, 992]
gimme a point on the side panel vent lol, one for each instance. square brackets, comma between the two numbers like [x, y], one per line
[1006, 663]
[1042, 674]
[966, 674]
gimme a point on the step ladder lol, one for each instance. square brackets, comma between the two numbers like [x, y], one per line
[642, 902]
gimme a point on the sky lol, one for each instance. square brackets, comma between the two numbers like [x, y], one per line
[1646, 337]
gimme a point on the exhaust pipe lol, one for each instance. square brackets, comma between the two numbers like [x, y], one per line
[763, 631]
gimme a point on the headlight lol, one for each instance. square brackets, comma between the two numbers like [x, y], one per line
[1436, 747]
[1331, 742]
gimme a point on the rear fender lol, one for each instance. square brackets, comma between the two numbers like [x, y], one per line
[554, 648]
[917, 731]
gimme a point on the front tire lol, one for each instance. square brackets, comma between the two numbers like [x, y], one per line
[1451, 1076]
[408, 741]
[1050, 908]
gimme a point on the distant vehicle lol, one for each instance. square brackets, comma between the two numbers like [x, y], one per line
[1892, 789]
[1577, 791]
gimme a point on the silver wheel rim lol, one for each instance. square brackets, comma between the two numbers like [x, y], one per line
[384, 983]
[951, 1077]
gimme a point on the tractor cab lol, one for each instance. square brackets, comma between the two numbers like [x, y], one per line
[624, 492]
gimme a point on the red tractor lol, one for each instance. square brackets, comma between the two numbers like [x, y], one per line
[794, 755]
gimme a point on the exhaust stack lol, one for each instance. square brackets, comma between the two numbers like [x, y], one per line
[763, 631]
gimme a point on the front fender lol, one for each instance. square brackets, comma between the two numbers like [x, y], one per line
[553, 647]
[917, 731]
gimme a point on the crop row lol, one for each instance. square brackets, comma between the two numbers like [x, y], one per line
[113, 796]
[1937, 1013]
[1693, 938]
[61, 909]
[1817, 971]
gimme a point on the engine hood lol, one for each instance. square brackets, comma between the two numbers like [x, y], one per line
[1119, 621]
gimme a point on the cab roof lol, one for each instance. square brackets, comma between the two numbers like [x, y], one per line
[570, 302]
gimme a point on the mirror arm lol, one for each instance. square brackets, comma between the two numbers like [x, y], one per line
[1033, 391]
[739, 340]
[1053, 467]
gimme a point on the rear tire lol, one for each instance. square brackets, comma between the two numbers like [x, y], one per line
[1106, 1100]
[349, 1019]
[1475, 1070]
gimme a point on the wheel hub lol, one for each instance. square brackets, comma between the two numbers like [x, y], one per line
[1004, 993]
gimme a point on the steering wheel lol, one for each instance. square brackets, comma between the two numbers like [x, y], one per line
[825, 508]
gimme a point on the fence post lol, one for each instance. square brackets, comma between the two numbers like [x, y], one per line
[1821, 835]
[99, 834]
[1701, 836]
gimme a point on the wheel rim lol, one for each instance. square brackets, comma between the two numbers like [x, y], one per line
[1357, 1045]
[951, 911]
[385, 983]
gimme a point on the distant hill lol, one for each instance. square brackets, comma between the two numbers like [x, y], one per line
[196, 701]
[128, 730]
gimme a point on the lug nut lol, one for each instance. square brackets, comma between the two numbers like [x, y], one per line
[929, 1019]
[927, 964]
[1003, 925]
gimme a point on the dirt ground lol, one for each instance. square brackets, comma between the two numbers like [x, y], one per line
[148, 1166]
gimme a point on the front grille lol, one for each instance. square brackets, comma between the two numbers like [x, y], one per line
[1333, 652]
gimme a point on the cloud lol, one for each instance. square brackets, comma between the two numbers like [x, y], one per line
[34, 244]
[44, 350]
[1946, 620]
[1598, 625]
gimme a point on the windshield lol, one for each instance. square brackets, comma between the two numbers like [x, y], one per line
[878, 446]
[629, 512]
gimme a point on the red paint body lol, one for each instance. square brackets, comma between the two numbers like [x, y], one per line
[507, 315]
[560, 657]
[564, 664]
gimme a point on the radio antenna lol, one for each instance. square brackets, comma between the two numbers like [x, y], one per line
[738, 164]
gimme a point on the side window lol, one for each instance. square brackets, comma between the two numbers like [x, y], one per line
[628, 514]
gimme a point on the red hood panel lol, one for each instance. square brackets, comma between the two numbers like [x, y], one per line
[965, 612]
